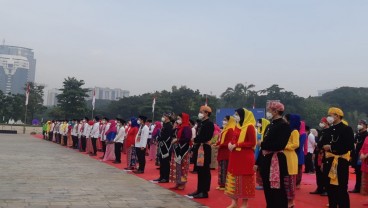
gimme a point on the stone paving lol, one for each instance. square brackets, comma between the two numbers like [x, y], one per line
[37, 173]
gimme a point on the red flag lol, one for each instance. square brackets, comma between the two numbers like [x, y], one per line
[27, 92]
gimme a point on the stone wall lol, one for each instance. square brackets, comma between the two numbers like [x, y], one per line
[20, 129]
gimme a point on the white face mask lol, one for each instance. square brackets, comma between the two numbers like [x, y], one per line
[179, 121]
[259, 125]
[163, 119]
[269, 115]
[359, 127]
[139, 122]
[200, 116]
[330, 119]
[224, 123]
[322, 125]
[237, 118]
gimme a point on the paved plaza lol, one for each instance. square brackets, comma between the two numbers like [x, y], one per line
[37, 173]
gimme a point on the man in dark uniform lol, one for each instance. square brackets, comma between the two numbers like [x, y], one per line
[338, 145]
[164, 143]
[274, 142]
[356, 163]
[319, 155]
[202, 152]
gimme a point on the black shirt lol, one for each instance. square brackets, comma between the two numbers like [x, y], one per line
[205, 132]
[341, 138]
[276, 136]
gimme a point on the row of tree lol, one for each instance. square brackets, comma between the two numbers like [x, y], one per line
[72, 102]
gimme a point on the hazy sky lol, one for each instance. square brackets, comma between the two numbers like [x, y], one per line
[143, 46]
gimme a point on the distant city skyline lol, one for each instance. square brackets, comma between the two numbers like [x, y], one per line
[145, 46]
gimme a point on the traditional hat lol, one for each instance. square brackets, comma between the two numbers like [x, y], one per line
[324, 120]
[336, 111]
[276, 105]
[206, 108]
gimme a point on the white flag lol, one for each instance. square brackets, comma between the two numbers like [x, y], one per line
[27, 93]
[153, 104]
[94, 99]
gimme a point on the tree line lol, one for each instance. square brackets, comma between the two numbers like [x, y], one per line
[72, 102]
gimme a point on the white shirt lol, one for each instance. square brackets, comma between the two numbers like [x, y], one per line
[75, 130]
[85, 130]
[52, 127]
[95, 131]
[143, 133]
[194, 133]
[121, 135]
[311, 143]
[79, 129]
[151, 128]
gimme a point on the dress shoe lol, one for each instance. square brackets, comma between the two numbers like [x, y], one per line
[163, 181]
[192, 194]
[315, 192]
[157, 179]
[354, 191]
[324, 194]
[138, 172]
[201, 196]
[115, 162]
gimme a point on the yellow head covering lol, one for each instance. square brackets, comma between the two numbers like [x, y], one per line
[230, 125]
[336, 111]
[265, 123]
[345, 122]
[248, 120]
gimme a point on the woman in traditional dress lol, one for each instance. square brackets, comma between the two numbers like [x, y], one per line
[292, 157]
[180, 159]
[129, 143]
[110, 146]
[364, 163]
[223, 150]
[301, 153]
[240, 182]
[214, 149]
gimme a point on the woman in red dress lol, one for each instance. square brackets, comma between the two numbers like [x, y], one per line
[226, 136]
[240, 183]
[129, 144]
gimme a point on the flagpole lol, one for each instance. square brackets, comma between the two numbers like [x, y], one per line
[153, 109]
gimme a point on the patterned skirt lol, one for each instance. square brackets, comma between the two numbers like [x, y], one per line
[364, 187]
[89, 146]
[222, 172]
[179, 172]
[131, 157]
[242, 186]
[110, 152]
[290, 186]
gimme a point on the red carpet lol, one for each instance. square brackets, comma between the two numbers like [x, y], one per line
[218, 200]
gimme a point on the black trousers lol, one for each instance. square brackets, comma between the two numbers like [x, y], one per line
[204, 172]
[65, 138]
[103, 147]
[118, 147]
[94, 145]
[75, 141]
[84, 143]
[141, 155]
[358, 174]
[165, 167]
[58, 138]
[51, 135]
[275, 198]
[320, 177]
[338, 196]
[308, 163]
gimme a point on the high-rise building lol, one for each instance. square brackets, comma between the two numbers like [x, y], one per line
[108, 94]
[50, 97]
[17, 67]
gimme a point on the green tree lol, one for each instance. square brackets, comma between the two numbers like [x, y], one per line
[35, 100]
[238, 96]
[72, 100]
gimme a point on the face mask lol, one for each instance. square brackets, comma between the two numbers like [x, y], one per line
[200, 116]
[237, 118]
[269, 115]
[224, 123]
[330, 119]
[259, 125]
[179, 121]
[359, 127]
[322, 125]
[138, 122]
[163, 119]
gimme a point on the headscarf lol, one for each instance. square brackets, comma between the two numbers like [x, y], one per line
[265, 123]
[134, 122]
[185, 122]
[157, 128]
[294, 121]
[230, 125]
[302, 128]
[216, 131]
[336, 111]
[247, 119]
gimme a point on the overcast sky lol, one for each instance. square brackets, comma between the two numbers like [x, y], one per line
[143, 46]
